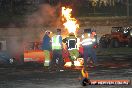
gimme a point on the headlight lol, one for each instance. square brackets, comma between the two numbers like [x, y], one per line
[125, 32]
[130, 32]
[11, 60]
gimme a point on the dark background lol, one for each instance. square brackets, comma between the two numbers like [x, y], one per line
[17, 9]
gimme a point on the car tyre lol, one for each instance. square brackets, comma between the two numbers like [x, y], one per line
[114, 43]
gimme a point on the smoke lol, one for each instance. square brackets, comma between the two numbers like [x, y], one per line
[45, 16]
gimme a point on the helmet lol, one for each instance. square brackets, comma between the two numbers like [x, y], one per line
[47, 32]
[87, 30]
[58, 30]
[71, 34]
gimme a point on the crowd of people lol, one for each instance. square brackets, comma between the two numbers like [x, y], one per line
[54, 44]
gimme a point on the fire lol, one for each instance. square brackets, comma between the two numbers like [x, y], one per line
[84, 73]
[79, 62]
[70, 23]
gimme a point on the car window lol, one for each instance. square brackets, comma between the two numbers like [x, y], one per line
[33, 46]
[117, 29]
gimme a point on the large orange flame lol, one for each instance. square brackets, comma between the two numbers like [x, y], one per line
[70, 23]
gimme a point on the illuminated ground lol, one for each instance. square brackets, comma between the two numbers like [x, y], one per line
[116, 67]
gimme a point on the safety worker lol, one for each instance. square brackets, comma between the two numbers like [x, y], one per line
[46, 46]
[71, 42]
[88, 50]
[57, 59]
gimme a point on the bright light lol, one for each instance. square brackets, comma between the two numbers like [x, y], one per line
[93, 39]
[70, 23]
[78, 62]
[87, 41]
[89, 34]
[131, 32]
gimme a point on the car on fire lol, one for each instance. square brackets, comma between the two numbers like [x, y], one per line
[33, 53]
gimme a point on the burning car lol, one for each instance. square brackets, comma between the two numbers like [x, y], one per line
[34, 53]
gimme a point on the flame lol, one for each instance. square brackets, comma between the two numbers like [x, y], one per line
[84, 73]
[70, 23]
[79, 62]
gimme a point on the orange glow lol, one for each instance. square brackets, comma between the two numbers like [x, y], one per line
[84, 73]
[78, 63]
[70, 23]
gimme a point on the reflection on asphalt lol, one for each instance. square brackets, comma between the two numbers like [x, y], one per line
[38, 77]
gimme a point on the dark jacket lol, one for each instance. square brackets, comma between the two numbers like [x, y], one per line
[46, 45]
[71, 41]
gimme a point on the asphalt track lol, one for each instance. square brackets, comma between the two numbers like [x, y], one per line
[34, 76]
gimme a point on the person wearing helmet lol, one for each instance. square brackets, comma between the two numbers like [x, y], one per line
[46, 46]
[57, 59]
[71, 42]
[87, 43]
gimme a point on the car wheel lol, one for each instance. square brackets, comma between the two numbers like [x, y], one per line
[130, 43]
[103, 44]
[115, 43]
[11, 60]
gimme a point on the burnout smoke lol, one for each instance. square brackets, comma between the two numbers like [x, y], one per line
[45, 18]
[46, 15]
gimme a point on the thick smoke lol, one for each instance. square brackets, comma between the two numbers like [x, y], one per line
[45, 16]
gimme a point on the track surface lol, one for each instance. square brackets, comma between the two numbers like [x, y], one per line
[32, 76]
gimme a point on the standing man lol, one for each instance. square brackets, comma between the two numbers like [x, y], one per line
[57, 59]
[46, 46]
[87, 43]
[71, 42]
